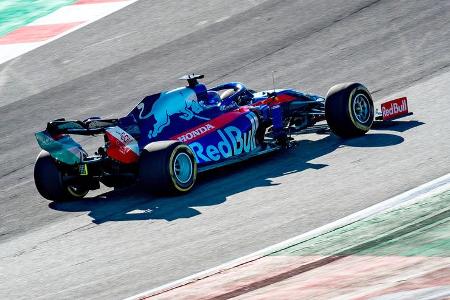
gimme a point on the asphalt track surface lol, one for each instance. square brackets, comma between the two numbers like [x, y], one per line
[121, 243]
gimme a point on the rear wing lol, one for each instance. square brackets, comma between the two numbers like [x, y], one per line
[393, 109]
[92, 126]
[87, 127]
[121, 133]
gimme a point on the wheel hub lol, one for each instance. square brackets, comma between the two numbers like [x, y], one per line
[361, 108]
[183, 167]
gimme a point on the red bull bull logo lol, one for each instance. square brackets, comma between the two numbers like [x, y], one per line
[182, 102]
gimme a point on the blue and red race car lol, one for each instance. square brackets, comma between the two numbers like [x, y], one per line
[171, 136]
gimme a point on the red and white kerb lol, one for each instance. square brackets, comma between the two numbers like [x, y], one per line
[55, 25]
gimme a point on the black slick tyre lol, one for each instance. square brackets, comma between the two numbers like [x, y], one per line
[49, 181]
[167, 167]
[349, 109]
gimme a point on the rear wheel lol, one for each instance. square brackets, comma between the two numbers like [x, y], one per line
[49, 181]
[167, 167]
[349, 109]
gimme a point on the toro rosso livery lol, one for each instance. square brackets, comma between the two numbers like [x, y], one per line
[171, 136]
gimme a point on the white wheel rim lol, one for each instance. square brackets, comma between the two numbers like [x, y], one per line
[361, 108]
[182, 167]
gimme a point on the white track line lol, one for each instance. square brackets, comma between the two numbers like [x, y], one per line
[8, 52]
[80, 13]
[428, 189]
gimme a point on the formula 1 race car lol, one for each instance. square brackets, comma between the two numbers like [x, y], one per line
[170, 136]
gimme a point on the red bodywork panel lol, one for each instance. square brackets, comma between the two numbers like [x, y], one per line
[122, 146]
[203, 129]
[279, 99]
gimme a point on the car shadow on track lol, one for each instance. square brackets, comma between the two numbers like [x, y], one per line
[213, 187]
[397, 125]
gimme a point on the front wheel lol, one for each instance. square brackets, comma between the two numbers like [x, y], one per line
[349, 109]
[49, 181]
[167, 167]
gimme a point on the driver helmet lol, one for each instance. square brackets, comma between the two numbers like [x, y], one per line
[213, 98]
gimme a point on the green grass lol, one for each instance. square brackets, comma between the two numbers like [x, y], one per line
[419, 229]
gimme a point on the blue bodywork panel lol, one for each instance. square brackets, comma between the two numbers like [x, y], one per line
[215, 131]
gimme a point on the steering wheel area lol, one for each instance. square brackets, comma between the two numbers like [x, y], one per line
[232, 92]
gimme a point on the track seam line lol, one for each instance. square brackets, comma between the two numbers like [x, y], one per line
[318, 30]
